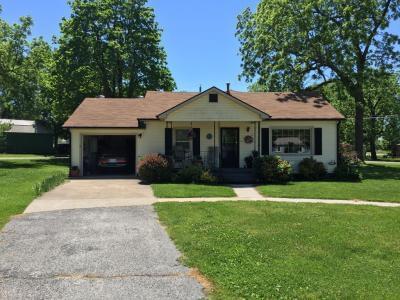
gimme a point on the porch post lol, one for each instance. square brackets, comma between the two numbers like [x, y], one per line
[214, 153]
[254, 134]
[259, 135]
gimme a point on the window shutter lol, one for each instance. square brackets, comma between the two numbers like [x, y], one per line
[196, 142]
[264, 141]
[168, 141]
[317, 141]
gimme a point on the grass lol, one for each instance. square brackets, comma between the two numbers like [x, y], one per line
[275, 250]
[191, 190]
[9, 155]
[17, 183]
[381, 183]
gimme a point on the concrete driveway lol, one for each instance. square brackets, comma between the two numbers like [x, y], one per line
[97, 253]
[86, 193]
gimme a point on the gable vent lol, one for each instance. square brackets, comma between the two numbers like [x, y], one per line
[213, 97]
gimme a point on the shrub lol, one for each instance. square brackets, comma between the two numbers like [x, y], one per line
[154, 168]
[49, 183]
[272, 169]
[347, 171]
[348, 164]
[208, 178]
[311, 169]
[190, 174]
[250, 159]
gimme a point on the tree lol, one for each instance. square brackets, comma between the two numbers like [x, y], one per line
[13, 51]
[23, 66]
[382, 107]
[109, 47]
[285, 44]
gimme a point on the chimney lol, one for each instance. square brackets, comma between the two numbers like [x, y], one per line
[228, 88]
[200, 88]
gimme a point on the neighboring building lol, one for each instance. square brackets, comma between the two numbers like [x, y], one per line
[25, 126]
[27, 136]
[219, 128]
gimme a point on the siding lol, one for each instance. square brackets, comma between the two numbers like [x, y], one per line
[202, 110]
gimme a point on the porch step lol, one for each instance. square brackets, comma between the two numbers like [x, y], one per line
[236, 175]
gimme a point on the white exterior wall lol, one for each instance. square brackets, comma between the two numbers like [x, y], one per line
[329, 141]
[152, 140]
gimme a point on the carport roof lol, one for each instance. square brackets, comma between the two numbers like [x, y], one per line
[126, 113]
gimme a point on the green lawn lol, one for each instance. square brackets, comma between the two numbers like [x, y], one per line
[17, 178]
[191, 190]
[381, 183]
[9, 155]
[287, 251]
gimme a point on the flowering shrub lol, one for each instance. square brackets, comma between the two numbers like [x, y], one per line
[154, 168]
[272, 169]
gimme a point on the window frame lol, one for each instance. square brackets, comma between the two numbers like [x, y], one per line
[310, 153]
[190, 140]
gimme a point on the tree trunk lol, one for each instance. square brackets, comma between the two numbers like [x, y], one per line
[372, 138]
[359, 122]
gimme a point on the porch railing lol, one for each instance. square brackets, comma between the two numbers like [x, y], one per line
[208, 159]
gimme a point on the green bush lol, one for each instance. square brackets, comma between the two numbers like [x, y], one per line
[49, 183]
[348, 165]
[249, 159]
[190, 174]
[310, 169]
[208, 178]
[347, 171]
[272, 169]
[154, 168]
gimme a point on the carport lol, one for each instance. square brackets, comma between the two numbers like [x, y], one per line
[109, 155]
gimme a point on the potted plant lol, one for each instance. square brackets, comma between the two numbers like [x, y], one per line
[74, 171]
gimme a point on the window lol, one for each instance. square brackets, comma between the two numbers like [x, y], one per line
[213, 98]
[183, 144]
[291, 141]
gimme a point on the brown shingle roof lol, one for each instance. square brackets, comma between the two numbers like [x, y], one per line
[114, 112]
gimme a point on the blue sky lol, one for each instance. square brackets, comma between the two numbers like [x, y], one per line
[199, 36]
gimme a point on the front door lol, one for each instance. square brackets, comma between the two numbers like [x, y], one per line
[229, 147]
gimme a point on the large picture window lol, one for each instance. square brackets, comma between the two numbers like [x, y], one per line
[291, 141]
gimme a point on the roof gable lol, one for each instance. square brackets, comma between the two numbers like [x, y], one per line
[197, 108]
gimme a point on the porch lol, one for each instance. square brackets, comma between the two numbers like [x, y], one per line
[214, 145]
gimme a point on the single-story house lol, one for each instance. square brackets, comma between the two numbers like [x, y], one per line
[219, 128]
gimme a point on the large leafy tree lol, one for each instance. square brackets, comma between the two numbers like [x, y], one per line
[110, 48]
[24, 67]
[287, 44]
[382, 108]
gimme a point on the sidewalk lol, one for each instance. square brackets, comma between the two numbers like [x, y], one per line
[249, 193]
